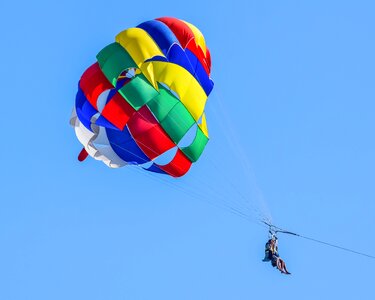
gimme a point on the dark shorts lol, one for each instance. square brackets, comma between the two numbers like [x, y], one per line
[268, 255]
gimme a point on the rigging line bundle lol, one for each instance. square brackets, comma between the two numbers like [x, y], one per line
[277, 229]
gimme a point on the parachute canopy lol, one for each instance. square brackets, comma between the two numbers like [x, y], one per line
[144, 98]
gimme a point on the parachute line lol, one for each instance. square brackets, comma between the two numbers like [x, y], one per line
[223, 202]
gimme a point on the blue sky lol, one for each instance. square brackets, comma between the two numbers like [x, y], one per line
[291, 125]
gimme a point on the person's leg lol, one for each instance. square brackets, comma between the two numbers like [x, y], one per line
[280, 264]
[283, 267]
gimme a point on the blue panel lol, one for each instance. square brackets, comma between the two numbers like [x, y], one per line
[121, 82]
[84, 109]
[177, 56]
[200, 73]
[160, 33]
[125, 147]
[194, 61]
[154, 168]
[157, 58]
[111, 94]
[101, 121]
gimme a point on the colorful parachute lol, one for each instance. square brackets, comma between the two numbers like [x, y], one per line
[144, 98]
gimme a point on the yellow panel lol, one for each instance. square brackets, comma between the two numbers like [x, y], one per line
[180, 81]
[140, 46]
[199, 38]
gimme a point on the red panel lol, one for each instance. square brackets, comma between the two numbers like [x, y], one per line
[148, 134]
[118, 111]
[178, 166]
[82, 155]
[182, 32]
[93, 82]
[208, 59]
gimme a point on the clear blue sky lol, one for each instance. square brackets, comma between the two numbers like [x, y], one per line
[295, 81]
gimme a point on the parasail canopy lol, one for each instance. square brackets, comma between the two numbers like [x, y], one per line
[142, 102]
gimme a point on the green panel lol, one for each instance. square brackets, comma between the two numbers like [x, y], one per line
[178, 122]
[138, 91]
[194, 151]
[113, 60]
[162, 104]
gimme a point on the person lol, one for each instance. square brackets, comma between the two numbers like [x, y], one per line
[272, 255]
